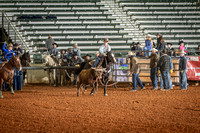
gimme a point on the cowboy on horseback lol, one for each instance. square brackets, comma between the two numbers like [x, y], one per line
[8, 52]
[103, 51]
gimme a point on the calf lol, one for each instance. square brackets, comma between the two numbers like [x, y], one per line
[89, 77]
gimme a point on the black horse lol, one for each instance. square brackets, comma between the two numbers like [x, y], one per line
[25, 61]
[106, 62]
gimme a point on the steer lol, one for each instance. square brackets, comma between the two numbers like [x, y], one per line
[89, 77]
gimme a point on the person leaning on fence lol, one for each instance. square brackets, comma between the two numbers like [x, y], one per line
[164, 67]
[17, 49]
[8, 52]
[77, 50]
[148, 45]
[133, 46]
[54, 51]
[135, 71]
[169, 75]
[138, 49]
[153, 65]
[183, 71]
[98, 58]
[170, 50]
[49, 42]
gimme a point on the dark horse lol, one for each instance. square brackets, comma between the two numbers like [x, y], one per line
[25, 61]
[7, 72]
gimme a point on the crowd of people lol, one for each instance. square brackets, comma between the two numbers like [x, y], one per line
[159, 45]
[160, 62]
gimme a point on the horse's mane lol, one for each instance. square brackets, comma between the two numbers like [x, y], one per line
[51, 60]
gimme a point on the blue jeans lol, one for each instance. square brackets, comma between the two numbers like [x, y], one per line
[153, 76]
[136, 81]
[169, 79]
[164, 76]
[96, 61]
[147, 53]
[183, 80]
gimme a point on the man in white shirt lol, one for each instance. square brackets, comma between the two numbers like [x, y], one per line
[103, 51]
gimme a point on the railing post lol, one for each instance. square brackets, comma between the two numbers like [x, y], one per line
[8, 28]
[2, 25]
[15, 37]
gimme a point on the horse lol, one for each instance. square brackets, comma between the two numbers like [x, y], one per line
[65, 74]
[7, 72]
[49, 61]
[25, 61]
[106, 63]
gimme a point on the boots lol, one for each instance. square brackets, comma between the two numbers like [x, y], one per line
[11, 90]
[1, 96]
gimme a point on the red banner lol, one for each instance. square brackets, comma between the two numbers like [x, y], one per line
[193, 68]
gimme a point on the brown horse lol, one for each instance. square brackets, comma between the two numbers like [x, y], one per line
[7, 73]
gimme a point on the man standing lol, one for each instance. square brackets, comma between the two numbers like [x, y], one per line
[103, 51]
[49, 42]
[183, 71]
[135, 71]
[164, 67]
[153, 66]
[76, 61]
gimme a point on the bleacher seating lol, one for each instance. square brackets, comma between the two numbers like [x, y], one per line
[88, 22]
[85, 22]
[175, 19]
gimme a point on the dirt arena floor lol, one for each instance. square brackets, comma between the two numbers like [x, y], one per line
[40, 108]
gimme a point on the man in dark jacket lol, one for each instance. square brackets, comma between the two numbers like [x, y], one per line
[170, 50]
[138, 50]
[164, 68]
[76, 61]
[17, 49]
[153, 66]
[135, 71]
[183, 71]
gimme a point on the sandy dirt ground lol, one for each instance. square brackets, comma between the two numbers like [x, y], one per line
[40, 108]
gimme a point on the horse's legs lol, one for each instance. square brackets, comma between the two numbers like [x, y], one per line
[78, 88]
[49, 74]
[93, 89]
[1, 84]
[54, 77]
[11, 86]
[105, 87]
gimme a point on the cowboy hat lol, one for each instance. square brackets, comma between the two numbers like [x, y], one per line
[106, 40]
[130, 53]
[55, 44]
[10, 45]
[182, 52]
[154, 49]
[148, 35]
[88, 55]
[181, 41]
[164, 51]
[97, 52]
[169, 44]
